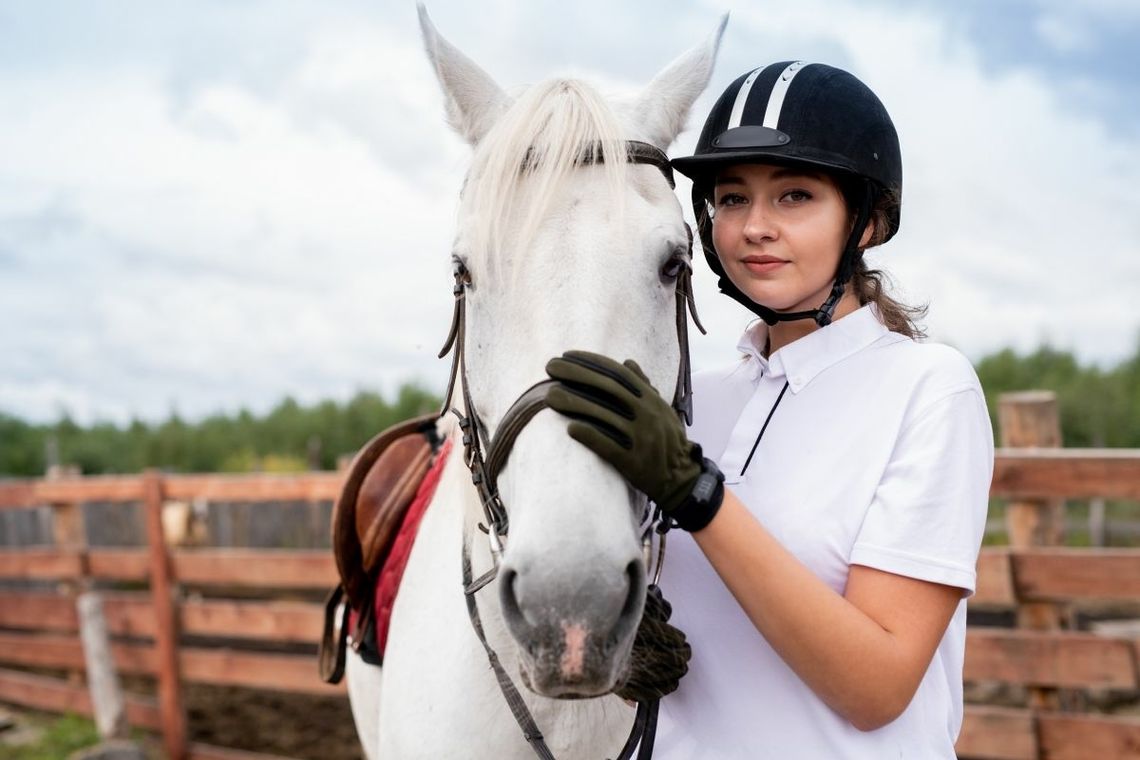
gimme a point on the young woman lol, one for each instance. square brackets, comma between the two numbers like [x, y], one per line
[834, 483]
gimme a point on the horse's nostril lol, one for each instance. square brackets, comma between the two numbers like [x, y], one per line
[508, 598]
[635, 593]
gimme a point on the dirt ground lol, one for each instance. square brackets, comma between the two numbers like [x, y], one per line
[293, 725]
[289, 725]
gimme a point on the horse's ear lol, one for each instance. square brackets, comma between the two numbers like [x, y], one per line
[474, 101]
[663, 106]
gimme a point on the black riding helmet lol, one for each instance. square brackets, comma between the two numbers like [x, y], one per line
[806, 114]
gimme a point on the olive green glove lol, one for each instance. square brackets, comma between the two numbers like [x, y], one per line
[619, 415]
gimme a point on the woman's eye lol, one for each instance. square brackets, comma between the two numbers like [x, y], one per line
[730, 199]
[797, 196]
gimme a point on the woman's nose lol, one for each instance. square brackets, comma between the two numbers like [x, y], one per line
[759, 225]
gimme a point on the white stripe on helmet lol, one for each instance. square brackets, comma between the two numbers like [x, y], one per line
[741, 99]
[779, 91]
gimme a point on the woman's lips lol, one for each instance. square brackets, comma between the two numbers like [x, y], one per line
[762, 264]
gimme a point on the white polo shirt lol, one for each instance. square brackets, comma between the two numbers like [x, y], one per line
[879, 453]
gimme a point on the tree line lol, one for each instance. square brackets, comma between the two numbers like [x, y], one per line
[289, 438]
[1098, 407]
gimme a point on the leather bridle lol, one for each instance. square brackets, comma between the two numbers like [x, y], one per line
[486, 457]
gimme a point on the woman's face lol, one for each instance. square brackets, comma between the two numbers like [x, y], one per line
[779, 232]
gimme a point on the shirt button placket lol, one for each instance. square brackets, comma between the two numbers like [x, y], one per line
[744, 432]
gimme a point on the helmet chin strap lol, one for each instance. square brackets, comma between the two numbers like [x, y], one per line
[826, 312]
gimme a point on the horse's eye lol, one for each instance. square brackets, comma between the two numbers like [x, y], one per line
[673, 267]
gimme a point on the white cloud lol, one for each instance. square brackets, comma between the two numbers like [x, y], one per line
[1116, 11]
[227, 248]
[1064, 33]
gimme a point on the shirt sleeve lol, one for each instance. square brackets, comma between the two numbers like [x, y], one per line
[928, 514]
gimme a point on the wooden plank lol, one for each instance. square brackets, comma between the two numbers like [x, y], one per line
[41, 563]
[295, 622]
[283, 672]
[17, 494]
[1080, 737]
[1067, 473]
[1018, 473]
[995, 579]
[1056, 574]
[174, 730]
[259, 568]
[1060, 574]
[89, 488]
[119, 564]
[56, 650]
[210, 752]
[37, 611]
[131, 614]
[54, 563]
[127, 614]
[48, 650]
[996, 733]
[58, 695]
[1060, 659]
[313, 486]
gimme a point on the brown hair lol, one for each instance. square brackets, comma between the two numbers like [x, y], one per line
[872, 285]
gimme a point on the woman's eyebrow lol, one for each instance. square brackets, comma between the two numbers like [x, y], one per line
[781, 173]
[795, 172]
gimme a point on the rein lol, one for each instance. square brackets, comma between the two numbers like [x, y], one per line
[485, 459]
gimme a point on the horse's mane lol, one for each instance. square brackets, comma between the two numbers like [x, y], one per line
[547, 129]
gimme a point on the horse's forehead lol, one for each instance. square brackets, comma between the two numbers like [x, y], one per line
[645, 181]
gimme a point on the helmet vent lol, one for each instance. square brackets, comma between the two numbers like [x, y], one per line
[779, 91]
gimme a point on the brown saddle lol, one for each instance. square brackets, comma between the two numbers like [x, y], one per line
[381, 482]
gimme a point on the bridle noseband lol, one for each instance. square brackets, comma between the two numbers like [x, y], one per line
[486, 457]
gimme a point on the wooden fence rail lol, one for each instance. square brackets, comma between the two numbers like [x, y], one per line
[39, 629]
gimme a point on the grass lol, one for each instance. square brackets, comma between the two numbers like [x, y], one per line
[1120, 524]
[59, 737]
[53, 737]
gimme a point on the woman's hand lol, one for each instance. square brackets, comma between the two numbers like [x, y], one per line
[621, 417]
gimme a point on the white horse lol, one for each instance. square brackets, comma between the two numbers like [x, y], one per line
[561, 255]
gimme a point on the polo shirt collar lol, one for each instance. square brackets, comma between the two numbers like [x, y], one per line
[801, 360]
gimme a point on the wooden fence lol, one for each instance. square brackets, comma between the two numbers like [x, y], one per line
[40, 629]
[1032, 577]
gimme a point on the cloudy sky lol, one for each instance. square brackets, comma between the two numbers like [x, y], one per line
[211, 205]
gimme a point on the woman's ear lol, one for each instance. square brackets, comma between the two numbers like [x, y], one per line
[868, 234]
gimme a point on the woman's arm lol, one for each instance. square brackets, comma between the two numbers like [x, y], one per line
[863, 653]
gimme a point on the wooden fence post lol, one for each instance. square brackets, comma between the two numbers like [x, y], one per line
[166, 623]
[68, 533]
[102, 681]
[1030, 420]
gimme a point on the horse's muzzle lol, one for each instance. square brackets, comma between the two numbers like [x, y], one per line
[573, 643]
